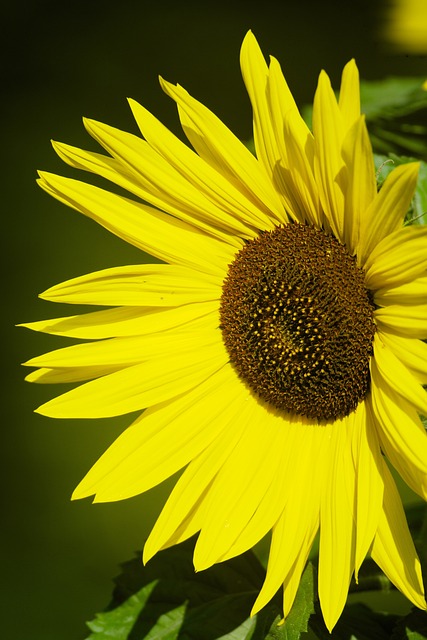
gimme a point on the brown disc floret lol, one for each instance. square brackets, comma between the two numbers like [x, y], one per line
[297, 321]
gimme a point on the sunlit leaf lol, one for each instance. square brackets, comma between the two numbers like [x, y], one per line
[167, 600]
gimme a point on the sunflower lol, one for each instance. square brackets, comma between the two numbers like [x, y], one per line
[275, 348]
[404, 26]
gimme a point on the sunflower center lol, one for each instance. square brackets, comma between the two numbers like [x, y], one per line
[297, 321]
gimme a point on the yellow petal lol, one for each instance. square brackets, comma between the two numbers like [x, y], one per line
[219, 147]
[194, 483]
[370, 484]
[408, 320]
[414, 292]
[387, 211]
[361, 186]
[239, 487]
[397, 259]
[300, 518]
[393, 549]
[349, 99]
[122, 321]
[163, 185]
[299, 175]
[160, 442]
[122, 352]
[255, 76]
[277, 494]
[398, 377]
[117, 172]
[337, 526]
[153, 231]
[235, 207]
[138, 386]
[69, 374]
[294, 174]
[328, 133]
[400, 431]
[157, 285]
[412, 352]
[292, 580]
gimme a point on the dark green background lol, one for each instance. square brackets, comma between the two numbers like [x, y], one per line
[62, 60]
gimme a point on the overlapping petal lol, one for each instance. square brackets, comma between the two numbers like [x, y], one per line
[147, 453]
[400, 432]
[162, 236]
[393, 549]
[328, 130]
[216, 144]
[141, 385]
[397, 259]
[294, 531]
[386, 213]
[147, 285]
[123, 321]
[337, 525]
[411, 352]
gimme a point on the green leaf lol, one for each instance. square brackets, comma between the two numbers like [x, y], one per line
[297, 621]
[392, 97]
[385, 164]
[357, 622]
[167, 600]
[396, 115]
[411, 627]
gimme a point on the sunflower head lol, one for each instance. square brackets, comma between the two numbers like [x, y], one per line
[275, 350]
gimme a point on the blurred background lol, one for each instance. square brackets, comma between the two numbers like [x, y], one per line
[60, 61]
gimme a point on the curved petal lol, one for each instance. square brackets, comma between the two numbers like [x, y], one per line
[292, 580]
[215, 143]
[138, 386]
[298, 173]
[281, 136]
[165, 187]
[408, 320]
[414, 292]
[412, 352]
[398, 377]
[157, 285]
[361, 186]
[123, 321]
[400, 432]
[393, 549]
[239, 487]
[196, 481]
[161, 441]
[118, 173]
[387, 211]
[367, 459]
[279, 491]
[295, 173]
[328, 133]
[153, 231]
[122, 352]
[349, 99]
[70, 374]
[233, 204]
[300, 518]
[255, 76]
[337, 525]
[398, 258]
